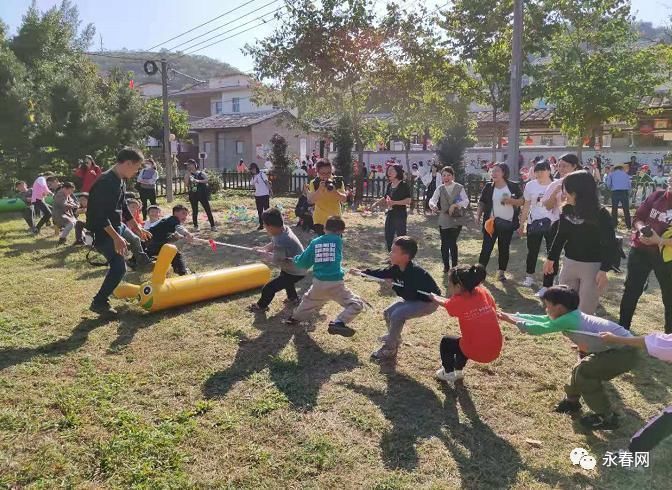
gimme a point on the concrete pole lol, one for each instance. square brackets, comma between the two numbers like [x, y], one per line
[168, 159]
[516, 74]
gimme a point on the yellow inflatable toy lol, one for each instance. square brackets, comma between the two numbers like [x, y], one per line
[160, 293]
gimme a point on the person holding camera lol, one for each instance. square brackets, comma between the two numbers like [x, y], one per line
[650, 240]
[88, 172]
[327, 193]
[197, 183]
[397, 197]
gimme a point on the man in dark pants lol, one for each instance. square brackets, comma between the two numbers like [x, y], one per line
[106, 211]
[618, 182]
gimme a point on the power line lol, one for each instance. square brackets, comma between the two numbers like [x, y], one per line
[203, 24]
[127, 58]
[230, 30]
[231, 36]
[223, 25]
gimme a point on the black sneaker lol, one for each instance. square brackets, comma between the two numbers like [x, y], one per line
[596, 421]
[568, 406]
[255, 308]
[61, 241]
[260, 227]
[290, 321]
[102, 308]
[340, 328]
[292, 302]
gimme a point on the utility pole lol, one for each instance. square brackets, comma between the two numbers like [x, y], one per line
[166, 132]
[516, 73]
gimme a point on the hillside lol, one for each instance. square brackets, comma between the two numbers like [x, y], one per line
[197, 66]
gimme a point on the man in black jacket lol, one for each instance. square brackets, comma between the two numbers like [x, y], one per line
[105, 215]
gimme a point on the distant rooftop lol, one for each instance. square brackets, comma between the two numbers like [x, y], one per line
[235, 120]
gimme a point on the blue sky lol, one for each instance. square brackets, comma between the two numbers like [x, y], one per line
[137, 24]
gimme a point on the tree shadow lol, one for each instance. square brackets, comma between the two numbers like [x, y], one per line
[76, 339]
[416, 413]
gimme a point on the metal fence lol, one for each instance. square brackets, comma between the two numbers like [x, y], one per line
[373, 189]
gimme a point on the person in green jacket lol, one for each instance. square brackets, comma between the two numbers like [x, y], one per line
[325, 254]
[598, 362]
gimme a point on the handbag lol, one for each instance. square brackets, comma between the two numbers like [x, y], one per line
[539, 226]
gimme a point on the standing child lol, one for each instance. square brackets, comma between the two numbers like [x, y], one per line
[657, 345]
[64, 211]
[24, 193]
[563, 315]
[284, 245]
[324, 255]
[412, 304]
[153, 216]
[476, 312]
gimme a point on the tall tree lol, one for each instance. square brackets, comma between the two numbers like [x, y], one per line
[325, 61]
[481, 32]
[597, 71]
[344, 144]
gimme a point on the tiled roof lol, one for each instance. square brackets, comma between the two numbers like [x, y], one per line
[237, 120]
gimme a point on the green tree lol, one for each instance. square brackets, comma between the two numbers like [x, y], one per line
[179, 119]
[455, 140]
[596, 71]
[480, 32]
[280, 162]
[325, 61]
[344, 144]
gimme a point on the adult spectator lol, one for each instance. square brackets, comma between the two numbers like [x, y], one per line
[449, 200]
[241, 168]
[146, 185]
[105, 211]
[397, 197]
[500, 200]
[652, 220]
[326, 193]
[619, 184]
[633, 166]
[197, 183]
[262, 191]
[88, 172]
[538, 222]
[586, 234]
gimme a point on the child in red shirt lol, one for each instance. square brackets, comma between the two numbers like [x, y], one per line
[476, 311]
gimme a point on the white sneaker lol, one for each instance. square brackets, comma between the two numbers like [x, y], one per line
[528, 282]
[449, 378]
[541, 292]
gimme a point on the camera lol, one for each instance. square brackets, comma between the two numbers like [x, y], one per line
[646, 231]
[329, 184]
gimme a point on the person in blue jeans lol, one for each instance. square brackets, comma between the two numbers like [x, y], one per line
[618, 182]
[104, 214]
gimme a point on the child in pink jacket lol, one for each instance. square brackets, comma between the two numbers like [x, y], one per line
[657, 345]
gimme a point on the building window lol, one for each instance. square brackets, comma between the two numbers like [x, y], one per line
[235, 103]
[219, 107]
[239, 147]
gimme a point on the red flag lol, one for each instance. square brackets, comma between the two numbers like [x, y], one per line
[213, 245]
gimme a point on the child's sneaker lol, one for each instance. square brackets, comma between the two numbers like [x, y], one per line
[340, 328]
[528, 282]
[61, 241]
[568, 406]
[541, 292]
[255, 308]
[384, 354]
[290, 321]
[596, 421]
[449, 378]
[292, 302]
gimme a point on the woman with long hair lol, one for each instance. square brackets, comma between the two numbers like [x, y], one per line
[500, 201]
[586, 234]
[397, 197]
[449, 199]
[262, 191]
[88, 172]
[197, 183]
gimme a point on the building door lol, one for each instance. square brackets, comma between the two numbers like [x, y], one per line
[225, 152]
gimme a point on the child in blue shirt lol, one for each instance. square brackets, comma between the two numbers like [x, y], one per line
[324, 255]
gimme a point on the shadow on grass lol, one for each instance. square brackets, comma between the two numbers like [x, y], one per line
[76, 339]
[300, 381]
[483, 458]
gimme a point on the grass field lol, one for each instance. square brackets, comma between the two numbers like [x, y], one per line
[208, 396]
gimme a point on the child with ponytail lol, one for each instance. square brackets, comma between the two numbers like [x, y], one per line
[476, 311]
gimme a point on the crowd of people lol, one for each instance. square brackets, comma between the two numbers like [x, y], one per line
[558, 205]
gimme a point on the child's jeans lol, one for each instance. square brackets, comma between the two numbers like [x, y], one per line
[396, 315]
[135, 244]
[321, 292]
[69, 225]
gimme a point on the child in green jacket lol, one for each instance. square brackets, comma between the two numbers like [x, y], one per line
[598, 363]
